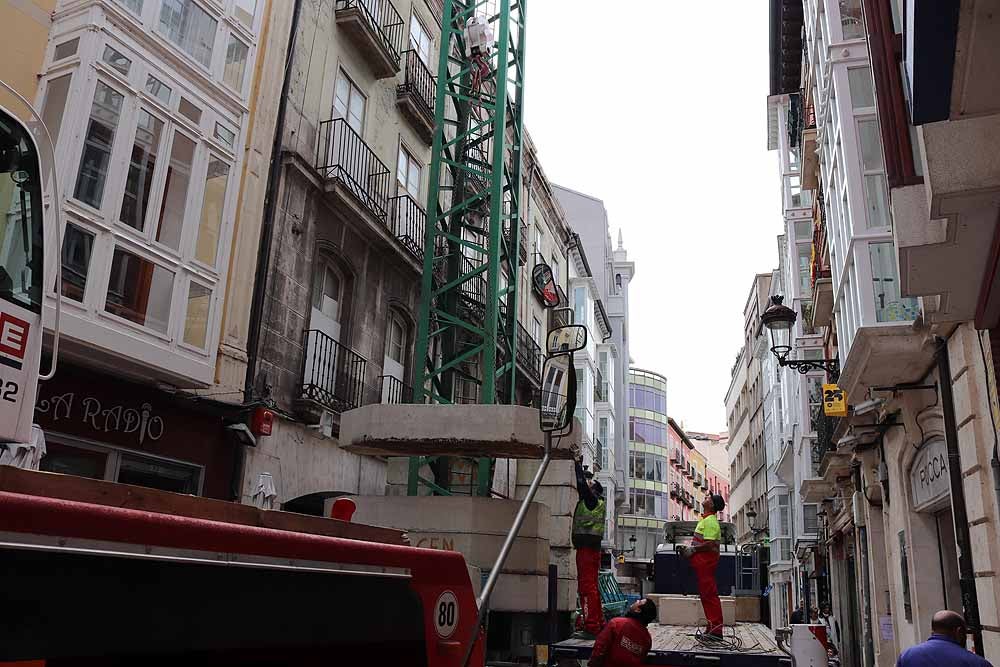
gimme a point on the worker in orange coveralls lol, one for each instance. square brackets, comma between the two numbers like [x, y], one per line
[704, 557]
[625, 641]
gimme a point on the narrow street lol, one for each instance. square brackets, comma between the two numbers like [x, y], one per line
[435, 332]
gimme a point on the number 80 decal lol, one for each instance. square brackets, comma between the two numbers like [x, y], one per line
[446, 614]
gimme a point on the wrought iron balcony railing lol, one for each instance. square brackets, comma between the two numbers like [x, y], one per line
[393, 390]
[529, 354]
[522, 239]
[418, 82]
[383, 18]
[407, 222]
[333, 375]
[343, 156]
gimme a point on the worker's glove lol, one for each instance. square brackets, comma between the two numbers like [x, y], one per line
[683, 551]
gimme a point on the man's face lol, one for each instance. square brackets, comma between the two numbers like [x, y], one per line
[960, 635]
[707, 505]
[636, 606]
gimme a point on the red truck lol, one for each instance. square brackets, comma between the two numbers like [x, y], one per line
[90, 583]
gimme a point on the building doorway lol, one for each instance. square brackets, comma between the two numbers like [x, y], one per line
[951, 590]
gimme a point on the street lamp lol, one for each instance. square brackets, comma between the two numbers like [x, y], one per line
[779, 320]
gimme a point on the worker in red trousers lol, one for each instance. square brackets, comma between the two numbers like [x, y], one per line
[625, 641]
[704, 556]
[588, 532]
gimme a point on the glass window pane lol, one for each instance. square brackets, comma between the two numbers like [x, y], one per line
[103, 124]
[168, 232]
[862, 88]
[21, 223]
[190, 27]
[77, 461]
[236, 63]
[877, 200]
[871, 148]
[890, 306]
[66, 49]
[158, 474]
[213, 203]
[851, 19]
[189, 110]
[134, 5]
[139, 290]
[139, 183]
[78, 245]
[158, 89]
[225, 135]
[55, 104]
[196, 320]
[116, 60]
[244, 11]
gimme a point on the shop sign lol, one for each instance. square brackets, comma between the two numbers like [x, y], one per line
[929, 480]
[834, 401]
[140, 421]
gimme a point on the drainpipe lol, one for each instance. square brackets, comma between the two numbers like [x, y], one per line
[967, 580]
[267, 223]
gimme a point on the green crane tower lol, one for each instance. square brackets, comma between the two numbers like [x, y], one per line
[467, 333]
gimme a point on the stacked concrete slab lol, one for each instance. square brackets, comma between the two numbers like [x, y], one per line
[476, 527]
[558, 493]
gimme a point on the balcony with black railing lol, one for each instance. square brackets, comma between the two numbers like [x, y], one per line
[353, 174]
[333, 376]
[377, 30]
[415, 95]
[392, 390]
[522, 240]
[529, 356]
[408, 222]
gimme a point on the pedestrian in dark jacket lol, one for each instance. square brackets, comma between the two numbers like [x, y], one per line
[625, 641]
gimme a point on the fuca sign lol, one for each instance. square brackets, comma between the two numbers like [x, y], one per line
[929, 480]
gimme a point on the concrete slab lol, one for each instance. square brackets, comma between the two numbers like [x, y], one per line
[686, 609]
[449, 430]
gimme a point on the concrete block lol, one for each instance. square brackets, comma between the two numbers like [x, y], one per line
[686, 609]
[559, 473]
[520, 592]
[561, 500]
[561, 531]
[567, 594]
[565, 560]
[973, 486]
[476, 577]
[452, 514]
[747, 610]
[986, 591]
[982, 538]
[962, 391]
[448, 430]
[528, 556]
[991, 642]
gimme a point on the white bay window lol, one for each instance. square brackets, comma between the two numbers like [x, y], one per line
[152, 165]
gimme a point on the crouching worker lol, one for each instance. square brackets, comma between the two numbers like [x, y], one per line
[625, 641]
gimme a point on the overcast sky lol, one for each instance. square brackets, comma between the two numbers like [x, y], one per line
[658, 107]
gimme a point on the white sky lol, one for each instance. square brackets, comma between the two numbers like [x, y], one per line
[658, 107]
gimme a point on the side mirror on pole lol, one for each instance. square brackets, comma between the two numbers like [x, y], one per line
[566, 340]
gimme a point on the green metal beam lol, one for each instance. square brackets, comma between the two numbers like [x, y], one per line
[467, 329]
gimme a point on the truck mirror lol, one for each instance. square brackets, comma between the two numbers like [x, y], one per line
[558, 398]
[567, 339]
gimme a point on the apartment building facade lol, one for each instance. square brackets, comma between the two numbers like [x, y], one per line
[150, 105]
[899, 274]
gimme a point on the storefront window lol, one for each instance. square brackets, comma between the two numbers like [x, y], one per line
[157, 474]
